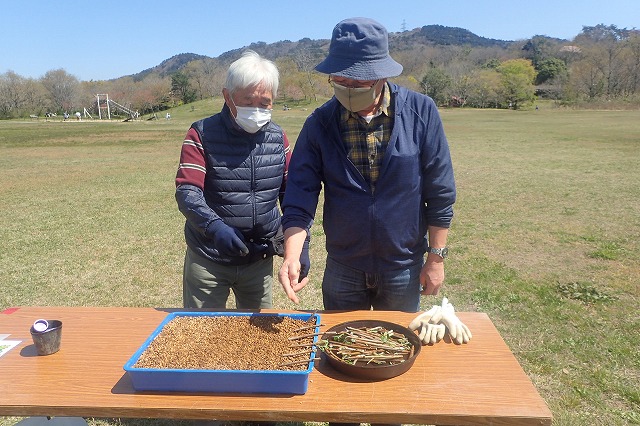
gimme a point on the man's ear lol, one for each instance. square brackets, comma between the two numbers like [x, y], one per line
[229, 101]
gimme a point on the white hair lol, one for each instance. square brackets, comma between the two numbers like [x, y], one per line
[250, 70]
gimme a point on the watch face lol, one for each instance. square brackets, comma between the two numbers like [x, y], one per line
[444, 252]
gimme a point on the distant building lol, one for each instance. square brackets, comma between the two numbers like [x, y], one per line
[570, 49]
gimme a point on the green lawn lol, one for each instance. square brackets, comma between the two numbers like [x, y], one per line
[545, 237]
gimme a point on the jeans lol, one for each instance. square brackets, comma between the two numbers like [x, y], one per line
[346, 288]
[206, 284]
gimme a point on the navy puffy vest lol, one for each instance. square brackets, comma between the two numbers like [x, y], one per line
[244, 175]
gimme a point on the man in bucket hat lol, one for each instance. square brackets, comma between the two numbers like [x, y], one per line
[380, 152]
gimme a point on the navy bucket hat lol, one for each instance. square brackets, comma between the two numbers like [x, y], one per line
[359, 50]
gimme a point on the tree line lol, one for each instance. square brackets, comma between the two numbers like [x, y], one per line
[601, 64]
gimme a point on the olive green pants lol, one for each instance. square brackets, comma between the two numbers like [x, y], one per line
[206, 284]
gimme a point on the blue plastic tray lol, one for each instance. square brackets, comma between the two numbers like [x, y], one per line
[220, 381]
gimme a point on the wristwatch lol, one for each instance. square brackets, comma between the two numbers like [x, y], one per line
[442, 252]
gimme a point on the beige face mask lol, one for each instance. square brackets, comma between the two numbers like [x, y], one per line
[355, 98]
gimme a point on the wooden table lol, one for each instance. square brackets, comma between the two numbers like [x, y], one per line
[479, 383]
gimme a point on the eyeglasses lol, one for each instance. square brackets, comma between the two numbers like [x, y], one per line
[355, 85]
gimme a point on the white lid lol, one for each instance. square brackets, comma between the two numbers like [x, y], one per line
[40, 325]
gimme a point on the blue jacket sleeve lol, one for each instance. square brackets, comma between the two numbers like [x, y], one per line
[193, 206]
[439, 189]
[304, 183]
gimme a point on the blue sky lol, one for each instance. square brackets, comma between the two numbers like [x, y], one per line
[97, 40]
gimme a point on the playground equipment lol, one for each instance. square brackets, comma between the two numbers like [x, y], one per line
[105, 105]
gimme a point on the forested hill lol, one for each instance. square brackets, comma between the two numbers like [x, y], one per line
[438, 34]
[169, 66]
[406, 40]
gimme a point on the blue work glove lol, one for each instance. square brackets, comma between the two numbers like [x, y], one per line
[228, 241]
[305, 261]
[276, 244]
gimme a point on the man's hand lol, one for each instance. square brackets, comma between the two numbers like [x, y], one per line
[228, 241]
[296, 263]
[432, 275]
[291, 280]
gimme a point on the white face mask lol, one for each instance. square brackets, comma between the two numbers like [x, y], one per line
[252, 119]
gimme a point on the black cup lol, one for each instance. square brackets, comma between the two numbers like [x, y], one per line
[48, 341]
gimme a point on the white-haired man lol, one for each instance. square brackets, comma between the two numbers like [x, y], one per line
[233, 171]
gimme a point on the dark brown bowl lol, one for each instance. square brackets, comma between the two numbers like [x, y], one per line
[373, 371]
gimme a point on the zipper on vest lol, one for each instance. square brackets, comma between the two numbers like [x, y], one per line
[253, 190]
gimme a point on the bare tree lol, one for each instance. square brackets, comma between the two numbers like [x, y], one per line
[20, 96]
[632, 60]
[63, 89]
[603, 47]
[288, 77]
[153, 92]
[207, 77]
[306, 62]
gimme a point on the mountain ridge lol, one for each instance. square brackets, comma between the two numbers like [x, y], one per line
[425, 35]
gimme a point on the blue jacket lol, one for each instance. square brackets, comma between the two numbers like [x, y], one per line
[242, 183]
[385, 230]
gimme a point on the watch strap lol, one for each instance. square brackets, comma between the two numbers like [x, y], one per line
[442, 252]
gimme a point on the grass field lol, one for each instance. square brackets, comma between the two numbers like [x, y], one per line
[545, 240]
